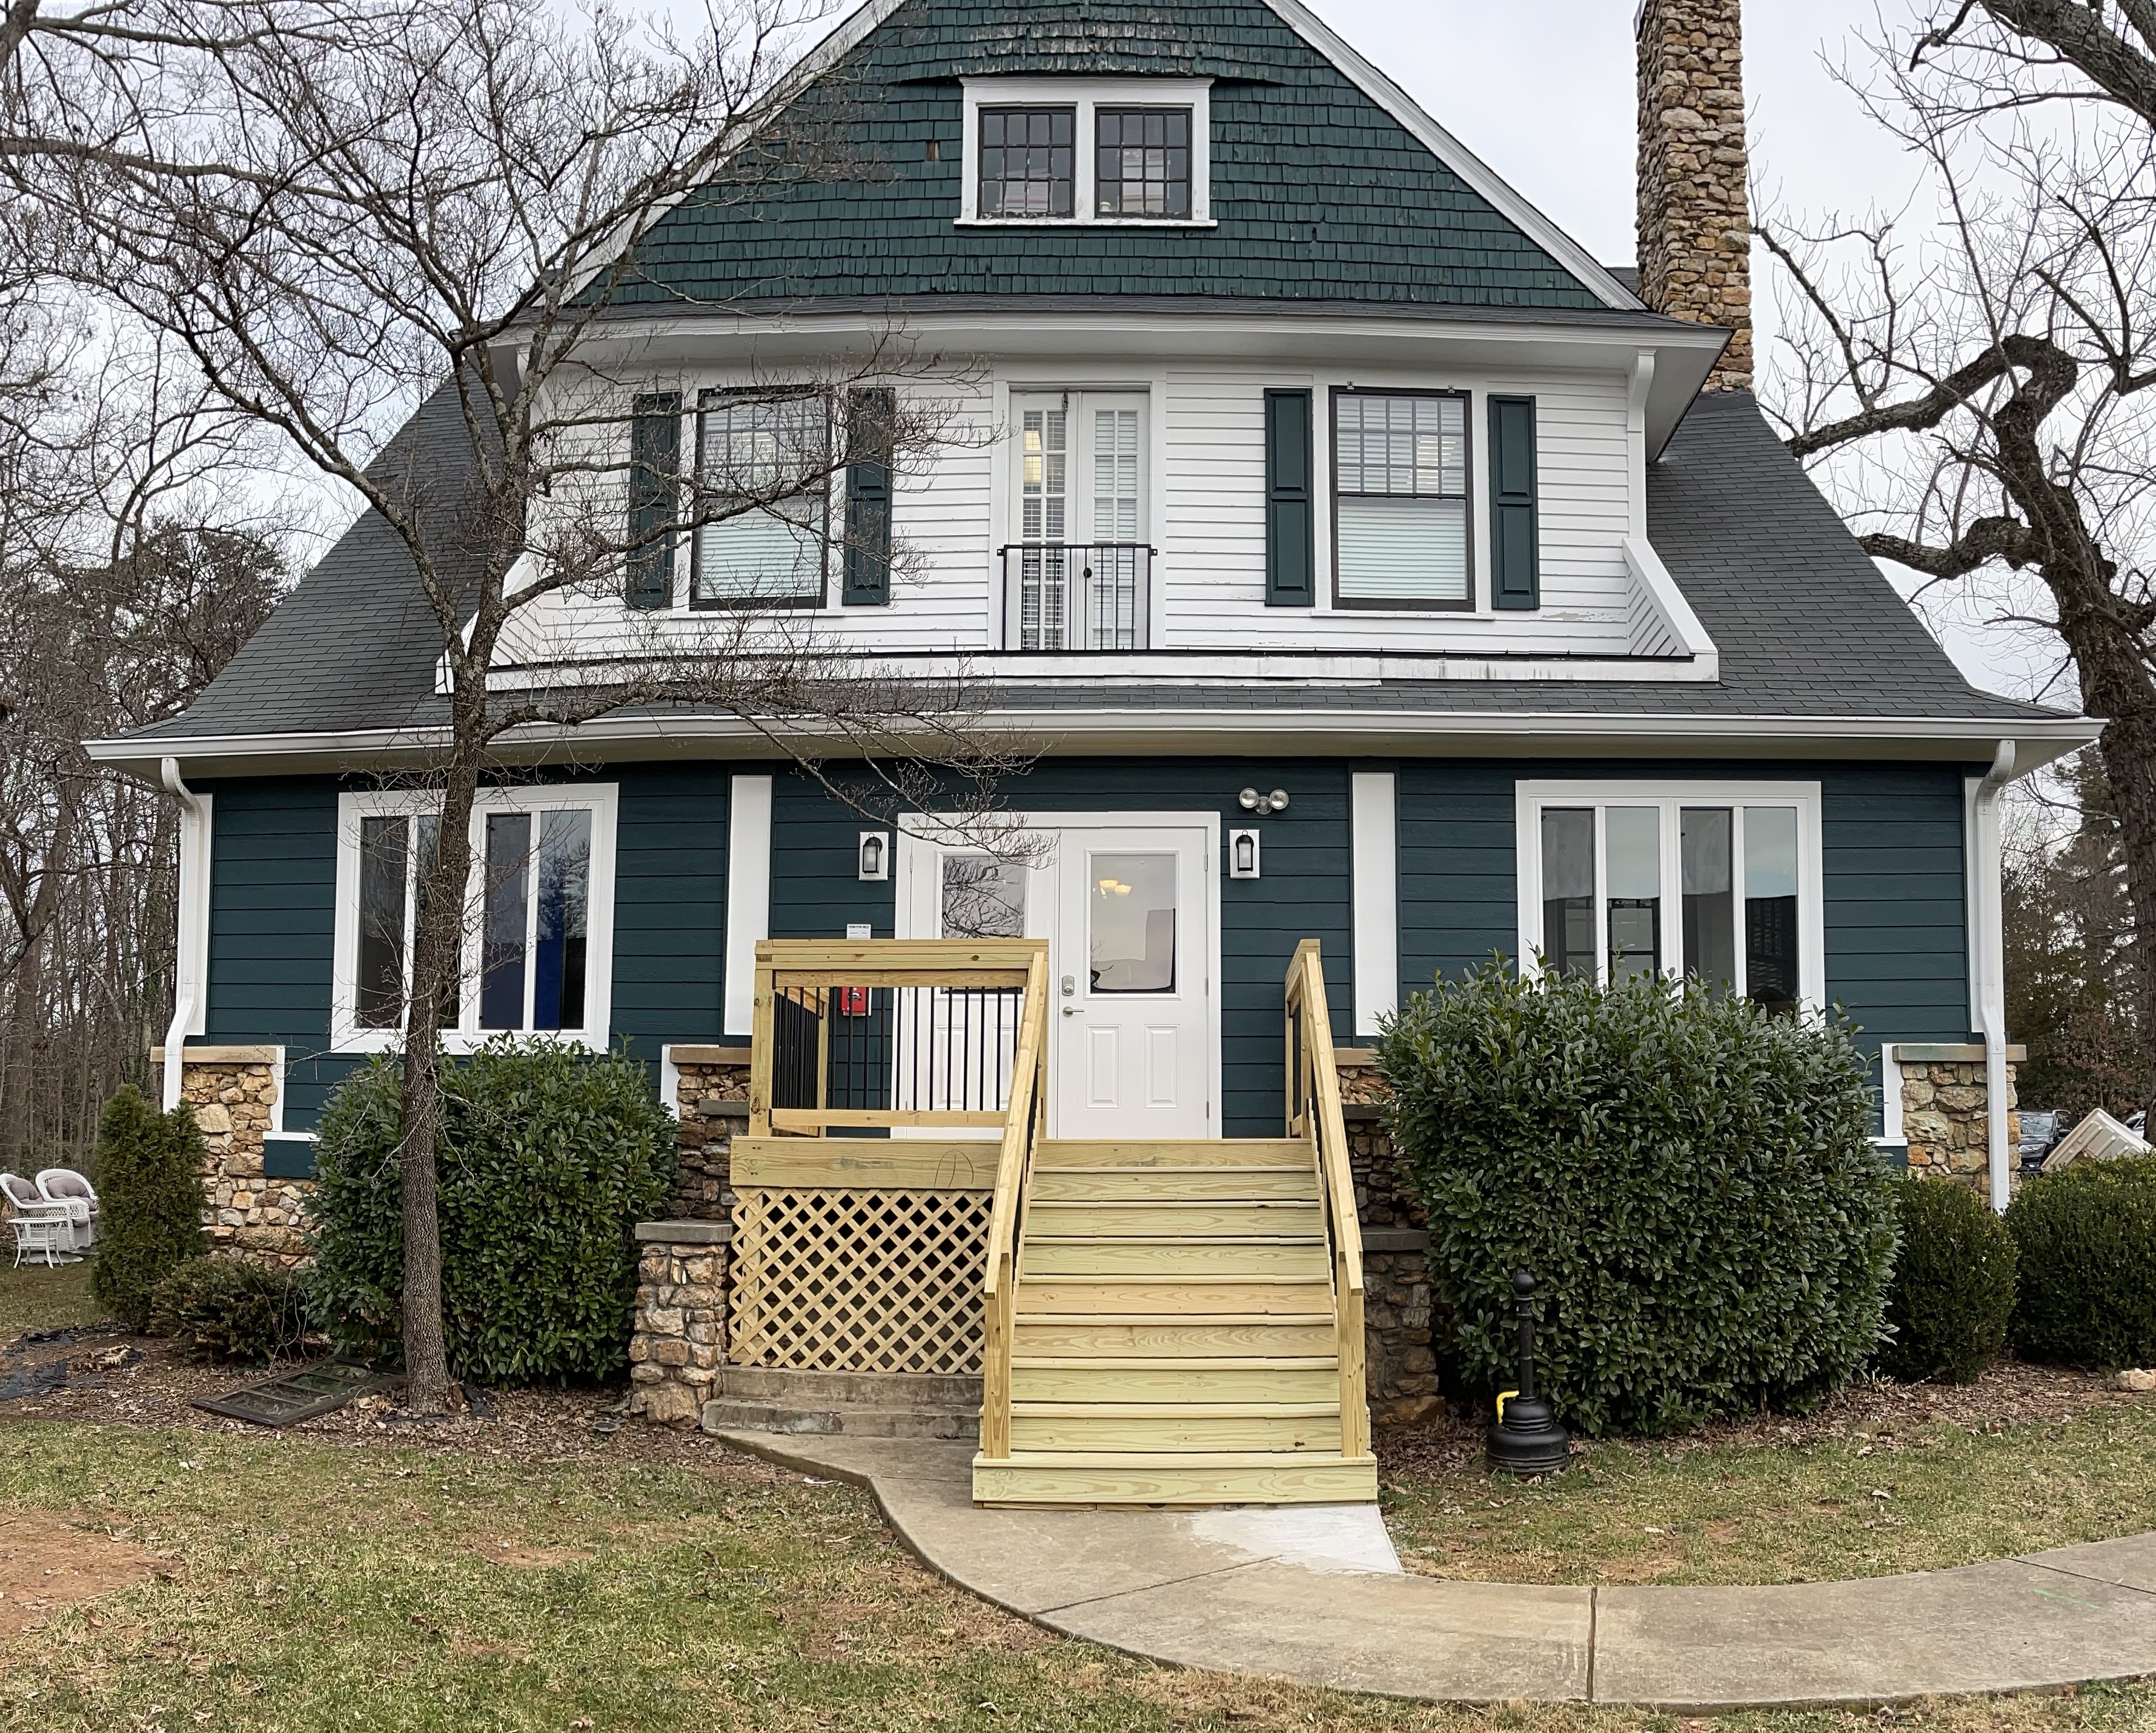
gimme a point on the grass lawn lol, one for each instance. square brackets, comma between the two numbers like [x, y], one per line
[312, 1584]
[35, 1298]
[1864, 1503]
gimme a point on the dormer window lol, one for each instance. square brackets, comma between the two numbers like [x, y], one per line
[1129, 152]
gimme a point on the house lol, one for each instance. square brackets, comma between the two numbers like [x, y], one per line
[1370, 565]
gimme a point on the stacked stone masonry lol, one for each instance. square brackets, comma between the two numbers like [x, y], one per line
[246, 1213]
[1400, 1366]
[1943, 1117]
[1695, 224]
[679, 1337]
[711, 1103]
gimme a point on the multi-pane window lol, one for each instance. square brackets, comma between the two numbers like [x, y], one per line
[532, 949]
[764, 475]
[1029, 161]
[1400, 498]
[1710, 889]
[1044, 474]
[1142, 162]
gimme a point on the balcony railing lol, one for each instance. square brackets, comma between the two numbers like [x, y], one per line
[1094, 595]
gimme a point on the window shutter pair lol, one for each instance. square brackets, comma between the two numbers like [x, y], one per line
[1515, 554]
[871, 418]
[655, 469]
[1291, 541]
[1290, 513]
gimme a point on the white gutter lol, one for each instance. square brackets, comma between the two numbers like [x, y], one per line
[1988, 958]
[186, 984]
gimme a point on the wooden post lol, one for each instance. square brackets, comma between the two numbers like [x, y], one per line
[759, 1056]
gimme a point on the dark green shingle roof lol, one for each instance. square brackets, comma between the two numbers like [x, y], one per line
[1317, 191]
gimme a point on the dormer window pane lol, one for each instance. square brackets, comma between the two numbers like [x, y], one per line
[1029, 161]
[1400, 498]
[1143, 166]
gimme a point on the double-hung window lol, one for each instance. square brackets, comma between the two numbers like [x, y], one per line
[534, 942]
[1399, 499]
[1051, 151]
[1717, 882]
[763, 481]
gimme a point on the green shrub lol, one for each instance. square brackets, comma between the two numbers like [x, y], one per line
[1692, 1183]
[228, 1311]
[1953, 1285]
[548, 1159]
[2087, 1240]
[149, 1202]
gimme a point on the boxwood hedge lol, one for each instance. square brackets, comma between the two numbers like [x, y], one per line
[548, 1157]
[1692, 1180]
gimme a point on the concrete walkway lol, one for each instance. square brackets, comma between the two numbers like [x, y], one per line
[1316, 1594]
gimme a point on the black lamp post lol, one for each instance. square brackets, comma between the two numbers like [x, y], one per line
[1527, 1438]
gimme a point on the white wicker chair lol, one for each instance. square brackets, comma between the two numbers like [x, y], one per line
[40, 1225]
[64, 1185]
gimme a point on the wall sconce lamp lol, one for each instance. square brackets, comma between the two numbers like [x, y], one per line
[875, 855]
[1242, 854]
[1252, 801]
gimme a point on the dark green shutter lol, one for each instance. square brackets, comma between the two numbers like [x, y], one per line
[1515, 551]
[1291, 518]
[869, 418]
[655, 469]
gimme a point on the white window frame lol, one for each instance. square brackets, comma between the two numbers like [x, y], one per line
[1088, 96]
[602, 800]
[1672, 797]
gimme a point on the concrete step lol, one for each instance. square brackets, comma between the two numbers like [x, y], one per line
[923, 1390]
[1093, 1478]
[839, 1419]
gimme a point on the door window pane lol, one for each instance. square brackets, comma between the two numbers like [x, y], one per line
[1131, 929]
[982, 898]
[1044, 474]
[383, 864]
[558, 950]
[1569, 891]
[1115, 475]
[1633, 874]
[1143, 166]
[1770, 907]
[502, 961]
[1710, 914]
[1027, 162]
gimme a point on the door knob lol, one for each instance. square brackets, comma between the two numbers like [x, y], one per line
[1074, 1010]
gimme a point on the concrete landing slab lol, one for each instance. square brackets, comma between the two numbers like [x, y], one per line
[1316, 1595]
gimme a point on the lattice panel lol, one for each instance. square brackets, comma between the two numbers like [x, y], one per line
[857, 1281]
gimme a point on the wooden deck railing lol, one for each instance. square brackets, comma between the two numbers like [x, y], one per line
[1024, 1125]
[886, 1033]
[1313, 1113]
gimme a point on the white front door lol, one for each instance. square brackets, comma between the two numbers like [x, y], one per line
[1127, 904]
[1078, 566]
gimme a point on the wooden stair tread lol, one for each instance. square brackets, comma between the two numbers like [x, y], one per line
[1161, 1320]
[1122, 1237]
[1166, 1411]
[1167, 1459]
[1180, 1363]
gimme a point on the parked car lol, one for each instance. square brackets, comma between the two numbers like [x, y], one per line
[2040, 1128]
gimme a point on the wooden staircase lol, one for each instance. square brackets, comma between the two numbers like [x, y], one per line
[1175, 1338]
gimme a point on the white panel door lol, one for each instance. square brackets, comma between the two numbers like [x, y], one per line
[1075, 565]
[1131, 973]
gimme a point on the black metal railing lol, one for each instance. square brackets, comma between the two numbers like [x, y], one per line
[902, 1050]
[1089, 595]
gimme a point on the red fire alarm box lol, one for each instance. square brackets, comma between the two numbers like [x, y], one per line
[853, 1001]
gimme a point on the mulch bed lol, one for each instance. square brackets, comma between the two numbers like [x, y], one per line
[113, 1377]
[2010, 1393]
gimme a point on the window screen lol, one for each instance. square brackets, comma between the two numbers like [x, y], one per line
[1143, 166]
[1029, 161]
[1400, 498]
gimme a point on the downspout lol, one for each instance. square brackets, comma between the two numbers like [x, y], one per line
[186, 988]
[1990, 962]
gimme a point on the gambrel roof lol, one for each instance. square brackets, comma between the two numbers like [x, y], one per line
[1327, 182]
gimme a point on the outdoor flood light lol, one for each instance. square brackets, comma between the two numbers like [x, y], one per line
[1252, 801]
[1242, 854]
[875, 855]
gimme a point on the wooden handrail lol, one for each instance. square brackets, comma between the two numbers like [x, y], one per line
[1000, 1280]
[1314, 1085]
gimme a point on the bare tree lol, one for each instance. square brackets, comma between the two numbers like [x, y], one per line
[1981, 394]
[449, 198]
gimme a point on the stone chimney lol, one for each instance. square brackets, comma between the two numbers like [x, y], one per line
[1695, 219]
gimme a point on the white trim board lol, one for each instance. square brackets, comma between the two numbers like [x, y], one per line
[1375, 868]
[748, 896]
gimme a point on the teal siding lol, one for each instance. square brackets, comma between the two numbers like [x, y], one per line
[1316, 191]
[1892, 861]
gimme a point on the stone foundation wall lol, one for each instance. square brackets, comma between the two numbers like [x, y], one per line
[680, 1334]
[711, 1100]
[246, 1214]
[1944, 1116]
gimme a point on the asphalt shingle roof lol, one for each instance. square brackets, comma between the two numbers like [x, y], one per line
[1806, 625]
